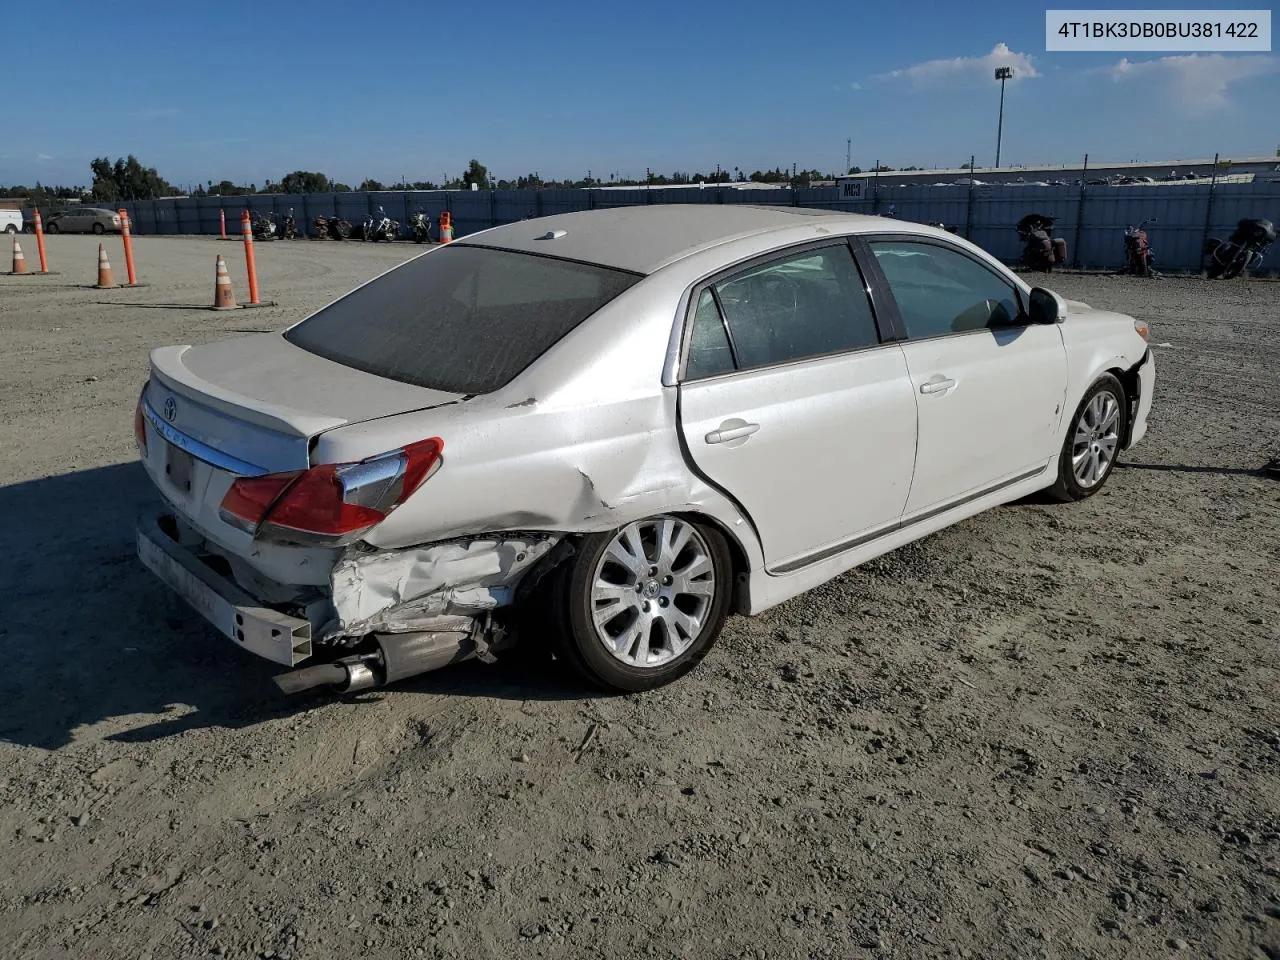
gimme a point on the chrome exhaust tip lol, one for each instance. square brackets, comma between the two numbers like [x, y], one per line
[399, 655]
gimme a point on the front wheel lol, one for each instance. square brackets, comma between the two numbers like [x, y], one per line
[51, 228]
[1093, 441]
[640, 607]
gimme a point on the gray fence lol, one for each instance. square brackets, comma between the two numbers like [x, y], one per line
[1091, 219]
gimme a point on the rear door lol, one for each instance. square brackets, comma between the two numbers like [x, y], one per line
[989, 384]
[792, 402]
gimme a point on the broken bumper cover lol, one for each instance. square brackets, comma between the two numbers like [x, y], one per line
[238, 616]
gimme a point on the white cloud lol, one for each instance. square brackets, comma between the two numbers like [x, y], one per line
[855, 85]
[1198, 81]
[43, 156]
[967, 70]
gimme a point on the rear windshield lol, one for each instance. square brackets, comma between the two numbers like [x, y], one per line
[462, 319]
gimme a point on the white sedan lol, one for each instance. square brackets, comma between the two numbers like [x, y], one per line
[615, 428]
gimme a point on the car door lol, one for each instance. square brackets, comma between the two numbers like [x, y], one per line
[989, 384]
[792, 402]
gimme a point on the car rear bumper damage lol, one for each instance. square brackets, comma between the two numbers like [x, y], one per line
[393, 613]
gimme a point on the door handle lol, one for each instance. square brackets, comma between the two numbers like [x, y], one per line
[734, 429]
[937, 384]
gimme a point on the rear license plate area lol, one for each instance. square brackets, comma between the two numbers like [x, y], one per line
[178, 467]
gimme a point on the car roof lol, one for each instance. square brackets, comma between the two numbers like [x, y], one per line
[643, 239]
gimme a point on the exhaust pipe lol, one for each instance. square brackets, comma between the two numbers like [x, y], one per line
[399, 655]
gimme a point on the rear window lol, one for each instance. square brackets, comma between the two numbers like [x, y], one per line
[462, 319]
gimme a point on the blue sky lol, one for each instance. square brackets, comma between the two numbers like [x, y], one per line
[249, 91]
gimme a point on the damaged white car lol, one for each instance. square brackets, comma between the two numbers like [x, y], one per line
[639, 420]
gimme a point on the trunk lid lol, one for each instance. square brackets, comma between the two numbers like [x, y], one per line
[257, 401]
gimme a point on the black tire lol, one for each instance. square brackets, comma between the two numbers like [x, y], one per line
[11, 229]
[1067, 487]
[573, 634]
[51, 228]
[99, 229]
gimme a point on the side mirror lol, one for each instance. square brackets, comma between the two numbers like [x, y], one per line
[1046, 306]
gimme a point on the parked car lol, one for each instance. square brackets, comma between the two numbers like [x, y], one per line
[11, 221]
[618, 426]
[83, 220]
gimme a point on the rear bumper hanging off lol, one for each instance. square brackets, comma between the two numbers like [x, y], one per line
[236, 615]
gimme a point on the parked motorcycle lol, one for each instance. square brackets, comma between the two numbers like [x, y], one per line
[420, 226]
[330, 228]
[1040, 251]
[1138, 257]
[289, 227]
[380, 227]
[1242, 251]
[264, 228]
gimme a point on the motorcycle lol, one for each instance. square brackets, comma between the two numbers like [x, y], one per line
[289, 228]
[330, 228]
[1040, 251]
[420, 226]
[380, 227]
[1243, 250]
[264, 228]
[1137, 250]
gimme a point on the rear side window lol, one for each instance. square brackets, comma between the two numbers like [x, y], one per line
[462, 319]
[810, 304]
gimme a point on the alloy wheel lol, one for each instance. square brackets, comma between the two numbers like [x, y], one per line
[652, 591]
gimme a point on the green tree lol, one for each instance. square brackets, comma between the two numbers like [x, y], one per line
[371, 185]
[304, 181]
[127, 179]
[476, 173]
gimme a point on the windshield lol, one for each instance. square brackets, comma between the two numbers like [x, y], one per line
[461, 319]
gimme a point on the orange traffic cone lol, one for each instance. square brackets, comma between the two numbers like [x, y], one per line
[105, 280]
[19, 261]
[224, 298]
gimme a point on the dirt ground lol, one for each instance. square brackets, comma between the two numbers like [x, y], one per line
[1051, 731]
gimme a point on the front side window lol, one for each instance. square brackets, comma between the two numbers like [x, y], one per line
[941, 291]
[461, 319]
[809, 304]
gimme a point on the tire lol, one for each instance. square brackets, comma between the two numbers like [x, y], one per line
[51, 228]
[580, 587]
[11, 229]
[1085, 435]
[99, 229]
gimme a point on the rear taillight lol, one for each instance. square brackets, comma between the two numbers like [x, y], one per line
[140, 424]
[331, 503]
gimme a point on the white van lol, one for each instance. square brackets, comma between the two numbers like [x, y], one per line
[11, 221]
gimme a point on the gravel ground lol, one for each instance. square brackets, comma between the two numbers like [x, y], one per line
[1051, 731]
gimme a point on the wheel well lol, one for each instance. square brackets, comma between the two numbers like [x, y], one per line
[737, 556]
[1132, 392]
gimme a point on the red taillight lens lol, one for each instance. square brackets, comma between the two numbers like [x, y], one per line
[249, 498]
[332, 503]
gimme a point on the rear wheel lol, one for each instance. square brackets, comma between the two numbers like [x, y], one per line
[99, 229]
[51, 228]
[640, 607]
[1093, 441]
[11, 229]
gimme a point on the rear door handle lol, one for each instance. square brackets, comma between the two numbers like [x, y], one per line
[937, 385]
[734, 429]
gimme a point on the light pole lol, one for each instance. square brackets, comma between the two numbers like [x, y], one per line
[1002, 74]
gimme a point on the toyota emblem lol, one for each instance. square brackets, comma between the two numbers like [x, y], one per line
[170, 409]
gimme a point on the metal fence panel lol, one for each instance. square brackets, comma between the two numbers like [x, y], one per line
[1092, 218]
